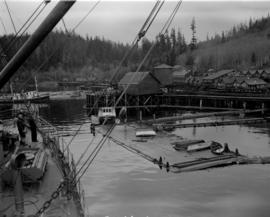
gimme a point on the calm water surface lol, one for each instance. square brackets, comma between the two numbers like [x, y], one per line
[120, 184]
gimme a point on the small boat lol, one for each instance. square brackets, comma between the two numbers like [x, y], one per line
[199, 147]
[217, 148]
[145, 132]
[183, 145]
[31, 96]
[106, 113]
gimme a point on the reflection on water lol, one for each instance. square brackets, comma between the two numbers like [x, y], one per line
[120, 184]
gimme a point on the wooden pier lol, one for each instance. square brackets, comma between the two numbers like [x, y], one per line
[177, 101]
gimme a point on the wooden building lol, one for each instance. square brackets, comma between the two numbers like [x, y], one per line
[217, 77]
[163, 73]
[140, 83]
[180, 76]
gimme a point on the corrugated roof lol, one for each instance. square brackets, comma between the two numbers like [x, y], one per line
[218, 74]
[163, 66]
[133, 78]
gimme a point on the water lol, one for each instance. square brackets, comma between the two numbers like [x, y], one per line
[120, 184]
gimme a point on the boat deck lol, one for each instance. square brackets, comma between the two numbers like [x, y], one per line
[36, 194]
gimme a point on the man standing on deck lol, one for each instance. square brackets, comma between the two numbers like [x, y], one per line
[21, 128]
[33, 128]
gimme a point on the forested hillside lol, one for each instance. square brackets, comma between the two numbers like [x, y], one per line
[70, 56]
[243, 46]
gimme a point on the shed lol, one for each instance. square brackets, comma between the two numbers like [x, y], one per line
[163, 73]
[140, 83]
[180, 76]
[255, 83]
[218, 76]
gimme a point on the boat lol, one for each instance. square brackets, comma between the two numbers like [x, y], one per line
[106, 115]
[183, 145]
[217, 148]
[199, 147]
[37, 177]
[145, 132]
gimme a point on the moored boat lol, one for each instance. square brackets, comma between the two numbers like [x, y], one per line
[145, 132]
[199, 147]
[106, 115]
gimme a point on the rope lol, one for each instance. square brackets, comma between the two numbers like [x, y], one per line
[140, 34]
[93, 155]
[15, 38]
[10, 16]
[4, 27]
[80, 22]
[85, 151]
[165, 27]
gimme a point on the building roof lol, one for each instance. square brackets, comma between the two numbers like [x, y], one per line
[180, 73]
[255, 81]
[228, 80]
[240, 79]
[163, 66]
[178, 67]
[218, 74]
[135, 77]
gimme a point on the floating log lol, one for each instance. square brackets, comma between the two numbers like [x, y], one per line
[194, 116]
[214, 123]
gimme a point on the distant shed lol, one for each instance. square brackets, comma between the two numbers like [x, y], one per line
[163, 73]
[180, 76]
[217, 77]
[140, 83]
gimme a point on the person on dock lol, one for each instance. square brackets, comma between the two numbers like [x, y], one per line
[21, 128]
[167, 167]
[160, 162]
[92, 129]
[226, 148]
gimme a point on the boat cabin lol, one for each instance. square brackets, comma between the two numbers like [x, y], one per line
[107, 113]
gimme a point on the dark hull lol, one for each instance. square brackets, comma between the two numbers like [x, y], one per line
[40, 99]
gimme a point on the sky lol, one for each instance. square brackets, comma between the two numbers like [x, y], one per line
[120, 21]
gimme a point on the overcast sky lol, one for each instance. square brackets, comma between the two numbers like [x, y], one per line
[121, 20]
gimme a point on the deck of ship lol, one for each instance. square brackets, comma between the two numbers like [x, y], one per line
[36, 194]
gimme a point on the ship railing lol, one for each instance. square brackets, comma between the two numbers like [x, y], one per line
[65, 160]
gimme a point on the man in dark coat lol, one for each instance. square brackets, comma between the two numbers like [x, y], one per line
[21, 128]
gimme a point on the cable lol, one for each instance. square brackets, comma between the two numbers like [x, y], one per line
[165, 27]
[91, 9]
[4, 27]
[16, 38]
[10, 16]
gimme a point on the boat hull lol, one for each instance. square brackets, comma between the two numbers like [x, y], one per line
[40, 99]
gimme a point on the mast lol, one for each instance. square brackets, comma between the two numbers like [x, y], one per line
[34, 40]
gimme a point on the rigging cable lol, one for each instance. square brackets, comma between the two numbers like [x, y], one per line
[91, 9]
[10, 16]
[140, 34]
[165, 27]
[3, 25]
[148, 23]
[24, 28]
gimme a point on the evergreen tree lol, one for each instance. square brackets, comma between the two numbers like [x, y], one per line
[193, 43]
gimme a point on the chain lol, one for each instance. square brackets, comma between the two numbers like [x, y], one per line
[47, 203]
